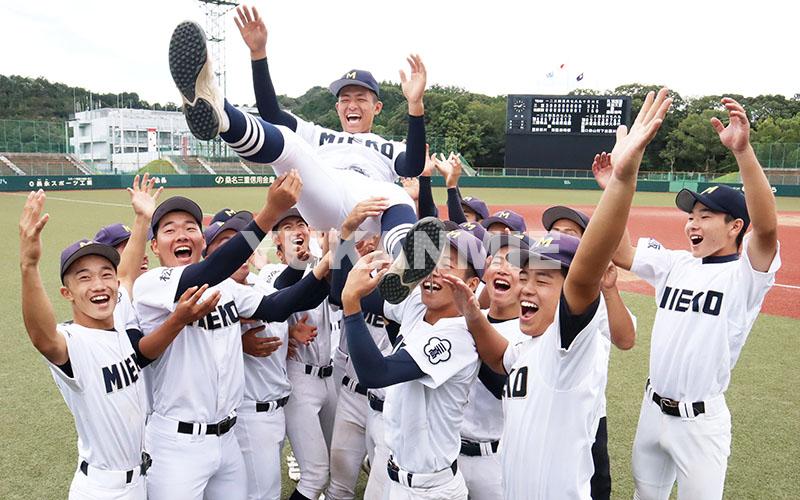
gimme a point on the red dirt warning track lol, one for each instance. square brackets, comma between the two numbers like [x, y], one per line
[665, 224]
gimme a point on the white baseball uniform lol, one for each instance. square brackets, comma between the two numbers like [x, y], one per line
[197, 383]
[124, 320]
[705, 310]
[102, 389]
[552, 408]
[351, 442]
[261, 424]
[422, 417]
[483, 426]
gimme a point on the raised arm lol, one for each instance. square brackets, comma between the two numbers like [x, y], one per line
[757, 192]
[426, 206]
[450, 168]
[143, 201]
[37, 311]
[254, 34]
[604, 232]
[620, 324]
[411, 162]
[601, 168]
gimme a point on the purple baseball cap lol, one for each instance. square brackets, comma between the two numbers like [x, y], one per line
[553, 214]
[476, 205]
[176, 204]
[516, 241]
[113, 235]
[509, 218]
[237, 222]
[470, 248]
[475, 229]
[357, 77]
[552, 251]
[83, 248]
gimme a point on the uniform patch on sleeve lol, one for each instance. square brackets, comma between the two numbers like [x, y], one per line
[655, 245]
[437, 350]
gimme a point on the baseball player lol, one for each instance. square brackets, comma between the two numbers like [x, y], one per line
[429, 374]
[198, 381]
[621, 332]
[707, 299]
[459, 210]
[332, 187]
[95, 365]
[552, 399]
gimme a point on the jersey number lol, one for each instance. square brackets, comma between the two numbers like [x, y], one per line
[517, 383]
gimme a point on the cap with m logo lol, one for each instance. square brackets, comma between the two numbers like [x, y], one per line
[357, 77]
[718, 198]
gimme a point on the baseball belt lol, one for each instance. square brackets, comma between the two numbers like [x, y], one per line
[354, 386]
[264, 406]
[319, 371]
[375, 402]
[218, 429]
[672, 407]
[112, 479]
[478, 448]
[424, 480]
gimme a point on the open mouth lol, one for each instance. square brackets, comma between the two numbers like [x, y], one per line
[298, 241]
[430, 287]
[501, 285]
[696, 239]
[99, 299]
[183, 252]
[528, 309]
[353, 118]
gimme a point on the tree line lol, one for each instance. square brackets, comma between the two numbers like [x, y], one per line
[474, 124]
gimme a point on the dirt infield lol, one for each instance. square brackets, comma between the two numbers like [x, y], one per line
[666, 226]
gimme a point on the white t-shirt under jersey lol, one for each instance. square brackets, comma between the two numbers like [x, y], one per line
[704, 314]
[423, 417]
[199, 377]
[367, 153]
[552, 406]
[105, 396]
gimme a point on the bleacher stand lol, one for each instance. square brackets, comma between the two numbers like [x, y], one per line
[41, 164]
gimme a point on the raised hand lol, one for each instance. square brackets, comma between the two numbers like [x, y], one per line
[414, 85]
[463, 296]
[192, 307]
[303, 333]
[284, 192]
[736, 136]
[143, 196]
[629, 148]
[427, 170]
[601, 168]
[31, 223]
[371, 207]
[253, 31]
[411, 185]
[450, 168]
[260, 347]
[361, 280]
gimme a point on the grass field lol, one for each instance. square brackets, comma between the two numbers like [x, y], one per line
[38, 434]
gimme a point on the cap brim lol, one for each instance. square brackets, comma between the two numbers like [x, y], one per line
[492, 220]
[100, 249]
[552, 214]
[237, 223]
[477, 266]
[292, 212]
[338, 85]
[176, 204]
[499, 241]
[686, 199]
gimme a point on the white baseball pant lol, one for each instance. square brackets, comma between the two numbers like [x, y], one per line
[453, 489]
[378, 478]
[193, 466]
[310, 413]
[106, 485]
[260, 436]
[350, 444]
[483, 476]
[693, 451]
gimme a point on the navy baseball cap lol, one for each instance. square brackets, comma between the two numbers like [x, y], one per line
[552, 251]
[176, 204]
[223, 215]
[475, 229]
[470, 248]
[553, 214]
[113, 235]
[476, 205]
[516, 241]
[508, 218]
[292, 212]
[83, 248]
[719, 198]
[357, 77]
[238, 221]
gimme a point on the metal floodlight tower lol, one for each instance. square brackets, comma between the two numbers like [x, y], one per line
[215, 11]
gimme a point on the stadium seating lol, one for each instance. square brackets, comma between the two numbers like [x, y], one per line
[42, 164]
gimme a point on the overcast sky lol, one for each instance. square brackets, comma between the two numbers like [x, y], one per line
[696, 47]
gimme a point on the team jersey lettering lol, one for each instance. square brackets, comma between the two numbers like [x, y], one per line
[120, 375]
[517, 383]
[374, 320]
[224, 315]
[681, 300]
[385, 148]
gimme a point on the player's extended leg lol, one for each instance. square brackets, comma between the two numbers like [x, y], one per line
[349, 444]
[483, 476]
[230, 480]
[378, 476]
[654, 471]
[260, 436]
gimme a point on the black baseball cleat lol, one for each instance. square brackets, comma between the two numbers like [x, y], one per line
[203, 104]
[422, 250]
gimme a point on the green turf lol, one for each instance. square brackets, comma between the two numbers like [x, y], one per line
[38, 434]
[158, 167]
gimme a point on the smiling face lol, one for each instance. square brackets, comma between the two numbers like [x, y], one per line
[502, 282]
[91, 285]
[145, 265]
[538, 299]
[179, 240]
[436, 295]
[357, 108]
[567, 226]
[240, 275]
[291, 236]
[709, 234]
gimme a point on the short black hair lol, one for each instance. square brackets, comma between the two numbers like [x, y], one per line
[740, 236]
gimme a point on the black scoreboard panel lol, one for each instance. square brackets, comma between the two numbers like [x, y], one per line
[562, 132]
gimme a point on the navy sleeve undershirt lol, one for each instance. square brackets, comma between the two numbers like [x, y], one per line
[304, 295]
[411, 162]
[494, 382]
[267, 99]
[427, 207]
[288, 277]
[66, 368]
[135, 336]
[372, 368]
[454, 210]
[219, 266]
[571, 324]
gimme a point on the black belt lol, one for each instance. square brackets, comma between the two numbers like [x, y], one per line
[473, 448]
[319, 371]
[146, 462]
[272, 405]
[394, 471]
[671, 407]
[375, 402]
[217, 429]
[358, 387]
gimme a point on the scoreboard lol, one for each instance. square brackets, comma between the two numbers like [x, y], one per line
[562, 132]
